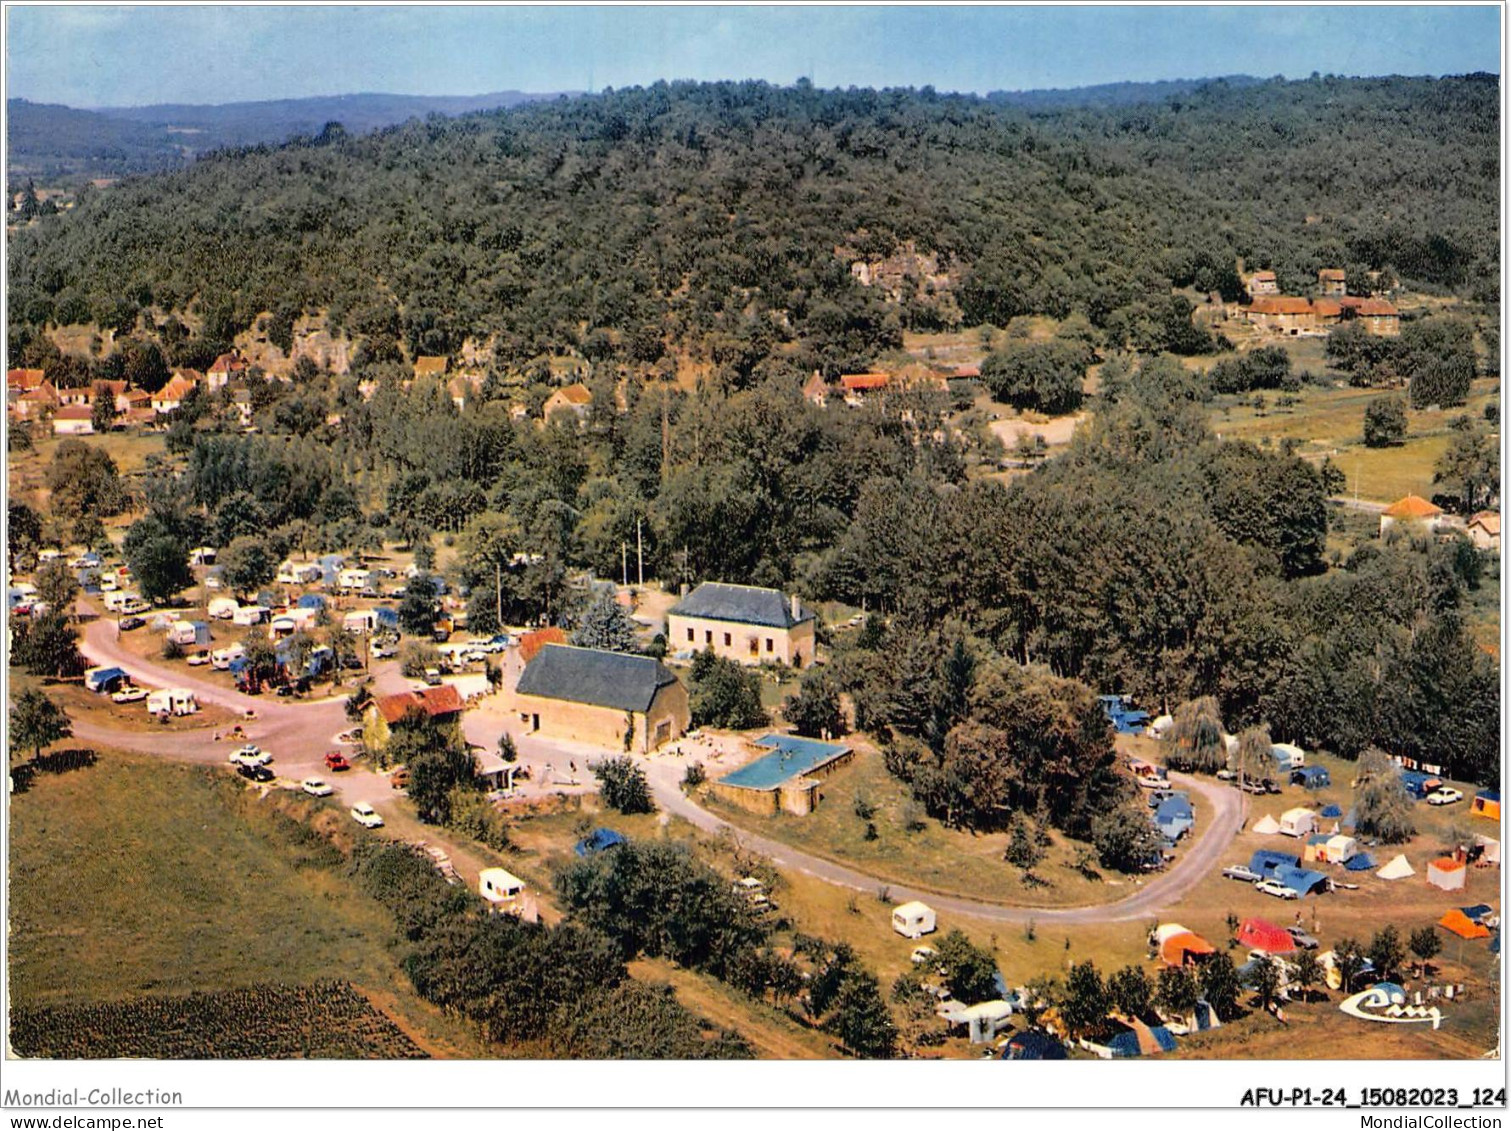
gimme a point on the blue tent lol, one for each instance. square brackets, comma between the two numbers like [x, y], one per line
[597, 841]
[1304, 880]
[1331, 811]
[310, 601]
[1206, 1017]
[1034, 1044]
[1126, 1043]
[104, 679]
[388, 616]
[1495, 942]
[1266, 860]
[1478, 912]
[1361, 862]
[1418, 784]
[238, 665]
[1174, 806]
[201, 632]
[1311, 777]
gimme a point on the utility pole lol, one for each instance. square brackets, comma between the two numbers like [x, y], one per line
[624, 564]
[498, 592]
[639, 556]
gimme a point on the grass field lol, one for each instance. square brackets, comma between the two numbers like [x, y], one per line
[137, 876]
[83, 704]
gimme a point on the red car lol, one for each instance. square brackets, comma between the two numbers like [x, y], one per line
[336, 760]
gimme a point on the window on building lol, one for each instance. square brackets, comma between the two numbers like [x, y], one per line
[755, 646]
[726, 640]
[708, 637]
[770, 644]
[689, 636]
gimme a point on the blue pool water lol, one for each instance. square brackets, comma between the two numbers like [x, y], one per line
[791, 757]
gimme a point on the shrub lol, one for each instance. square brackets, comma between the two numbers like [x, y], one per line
[622, 785]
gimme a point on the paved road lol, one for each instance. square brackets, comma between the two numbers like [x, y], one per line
[299, 734]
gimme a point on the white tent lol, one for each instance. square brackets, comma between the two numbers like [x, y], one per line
[1267, 825]
[913, 920]
[1160, 726]
[1491, 846]
[1397, 869]
[1446, 873]
[1298, 822]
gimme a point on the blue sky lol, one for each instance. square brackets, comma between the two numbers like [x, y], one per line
[121, 56]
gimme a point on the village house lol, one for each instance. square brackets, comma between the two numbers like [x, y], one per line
[1484, 531]
[576, 398]
[23, 379]
[388, 713]
[171, 395]
[76, 396]
[858, 386]
[461, 390]
[430, 367]
[1283, 314]
[1376, 315]
[606, 699]
[37, 402]
[816, 390]
[1412, 511]
[1263, 283]
[117, 390]
[743, 623]
[1331, 282]
[223, 370]
[73, 420]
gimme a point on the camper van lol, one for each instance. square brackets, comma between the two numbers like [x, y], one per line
[298, 573]
[172, 701]
[222, 608]
[1288, 757]
[1298, 822]
[250, 614]
[103, 679]
[501, 890]
[221, 658]
[354, 579]
[187, 633]
[913, 920]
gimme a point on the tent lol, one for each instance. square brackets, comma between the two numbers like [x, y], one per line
[1316, 848]
[1487, 803]
[1492, 847]
[1266, 861]
[1298, 822]
[1397, 869]
[1311, 777]
[1303, 880]
[1446, 873]
[1141, 1040]
[1495, 942]
[1288, 757]
[1360, 862]
[102, 680]
[1267, 825]
[1161, 726]
[1206, 1017]
[1183, 947]
[1418, 784]
[599, 840]
[1479, 912]
[310, 601]
[1463, 926]
[1332, 811]
[1033, 1044]
[1261, 934]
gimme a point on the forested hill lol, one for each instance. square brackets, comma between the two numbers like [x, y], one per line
[1111, 93]
[726, 216]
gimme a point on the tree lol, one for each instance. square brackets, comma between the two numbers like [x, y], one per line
[861, 1019]
[1022, 849]
[1038, 376]
[1308, 971]
[815, 710]
[1130, 992]
[1468, 473]
[57, 586]
[1437, 354]
[1387, 952]
[970, 972]
[1195, 742]
[723, 693]
[605, 625]
[1125, 838]
[1219, 985]
[159, 559]
[1348, 956]
[435, 771]
[1385, 422]
[1382, 807]
[506, 748]
[1266, 982]
[247, 564]
[1085, 1003]
[36, 721]
[419, 608]
[622, 785]
[85, 487]
[1254, 757]
[47, 645]
[1425, 943]
[1177, 991]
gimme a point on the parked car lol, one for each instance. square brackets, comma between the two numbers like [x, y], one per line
[126, 624]
[365, 816]
[1277, 889]
[351, 662]
[316, 787]
[135, 606]
[129, 695]
[199, 659]
[399, 779]
[1242, 872]
[250, 755]
[336, 761]
[433, 677]
[1444, 796]
[1226, 775]
[385, 650]
[1302, 939]
[255, 773]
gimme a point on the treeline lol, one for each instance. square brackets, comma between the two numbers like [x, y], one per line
[708, 214]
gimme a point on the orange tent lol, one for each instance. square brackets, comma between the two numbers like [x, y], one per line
[1181, 948]
[1463, 926]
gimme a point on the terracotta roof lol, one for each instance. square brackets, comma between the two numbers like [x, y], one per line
[432, 701]
[138, 397]
[1263, 276]
[532, 642]
[1488, 521]
[1412, 506]
[24, 378]
[74, 412]
[192, 375]
[175, 390]
[815, 386]
[429, 366]
[1377, 307]
[574, 394]
[1331, 275]
[228, 363]
[968, 371]
[115, 387]
[1327, 307]
[44, 393]
[1280, 304]
[856, 381]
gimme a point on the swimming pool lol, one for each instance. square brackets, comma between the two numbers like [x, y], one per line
[791, 757]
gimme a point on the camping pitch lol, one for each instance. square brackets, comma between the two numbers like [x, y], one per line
[1397, 869]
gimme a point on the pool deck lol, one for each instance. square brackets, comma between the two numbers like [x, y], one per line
[791, 757]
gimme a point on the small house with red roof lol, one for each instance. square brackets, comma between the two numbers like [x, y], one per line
[223, 370]
[576, 398]
[38, 401]
[1332, 282]
[524, 648]
[1484, 531]
[73, 420]
[1413, 511]
[816, 390]
[23, 379]
[171, 395]
[389, 713]
[1263, 283]
[859, 386]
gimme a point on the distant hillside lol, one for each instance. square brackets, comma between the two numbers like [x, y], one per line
[49, 142]
[1113, 93]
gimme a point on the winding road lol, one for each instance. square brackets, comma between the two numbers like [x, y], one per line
[300, 733]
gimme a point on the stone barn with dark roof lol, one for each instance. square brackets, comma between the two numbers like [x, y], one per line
[597, 697]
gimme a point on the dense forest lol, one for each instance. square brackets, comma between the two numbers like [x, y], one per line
[707, 218]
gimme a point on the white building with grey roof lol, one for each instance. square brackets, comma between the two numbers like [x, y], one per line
[744, 623]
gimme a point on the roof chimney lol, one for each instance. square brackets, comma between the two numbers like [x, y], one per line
[682, 592]
[797, 608]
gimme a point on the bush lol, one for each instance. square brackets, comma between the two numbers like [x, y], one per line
[473, 815]
[1385, 422]
[722, 693]
[694, 776]
[622, 785]
[814, 711]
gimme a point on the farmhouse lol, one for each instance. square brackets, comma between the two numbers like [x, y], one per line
[602, 698]
[1411, 512]
[37, 401]
[816, 390]
[858, 386]
[171, 395]
[1485, 531]
[73, 420]
[223, 369]
[576, 398]
[429, 366]
[1283, 314]
[23, 379]
[1331, 281]
[388, 713]
[1263, 283]
[1376, 315]
[743, 623]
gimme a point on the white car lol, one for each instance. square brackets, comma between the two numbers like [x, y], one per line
[250, 755]
[316, 787]
[364, 815]
[1444, 796]
[129, 695]
[199, 659]
[923, 954]
[1277, 889]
